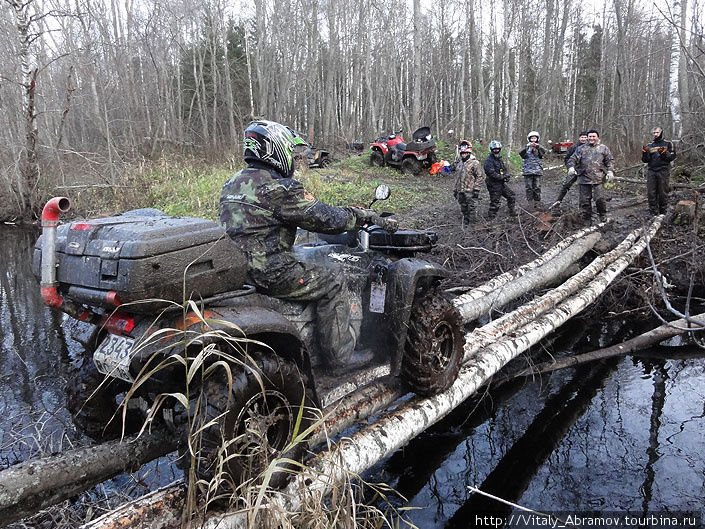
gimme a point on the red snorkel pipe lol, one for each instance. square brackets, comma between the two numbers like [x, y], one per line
[50, 220]
[50, 293]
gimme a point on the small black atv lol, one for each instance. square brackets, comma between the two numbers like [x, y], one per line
[246, 364]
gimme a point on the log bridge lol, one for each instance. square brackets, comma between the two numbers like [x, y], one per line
[34, 485]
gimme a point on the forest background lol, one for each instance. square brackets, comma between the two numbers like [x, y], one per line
[93, 92]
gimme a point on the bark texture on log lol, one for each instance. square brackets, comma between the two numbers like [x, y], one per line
[34, 485]
[496, 282]
[487, 334]
[647, 339]
[531, 280]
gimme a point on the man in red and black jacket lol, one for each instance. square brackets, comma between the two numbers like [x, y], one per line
[658, 155]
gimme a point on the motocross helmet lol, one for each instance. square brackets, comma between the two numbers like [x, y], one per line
[273, 144]
[533, 133]
[494, 144]
[464, 146]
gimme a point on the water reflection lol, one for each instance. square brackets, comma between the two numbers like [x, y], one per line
[34, 359]
[626, 435]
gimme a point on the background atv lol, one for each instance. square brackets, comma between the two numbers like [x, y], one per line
[252, 364]
[412, 158]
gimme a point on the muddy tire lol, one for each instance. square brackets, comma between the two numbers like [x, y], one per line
[94, 407]
[433, 351]
[411, 166]
[325, 162]
[376, 159]
[253, 426]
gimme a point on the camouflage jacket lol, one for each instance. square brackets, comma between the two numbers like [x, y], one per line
[260, 210]
[592, 162]
[532, 154]
[468, 175]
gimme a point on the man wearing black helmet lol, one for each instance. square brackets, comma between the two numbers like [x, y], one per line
[497, 177]
[261, 208]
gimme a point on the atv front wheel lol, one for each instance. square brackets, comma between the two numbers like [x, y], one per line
[411, 166]
[255, 423]
[325, 162]
[376, 159]
[433, 350]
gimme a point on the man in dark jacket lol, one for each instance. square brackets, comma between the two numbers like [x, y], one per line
[496, 179]
[532, 169]
[570, 180]
[261, 208]
[593, 163]
[658, 155]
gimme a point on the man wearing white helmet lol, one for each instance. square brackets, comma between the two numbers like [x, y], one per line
[532, 169]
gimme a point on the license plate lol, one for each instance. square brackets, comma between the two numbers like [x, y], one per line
[377, 294]
[112, 358]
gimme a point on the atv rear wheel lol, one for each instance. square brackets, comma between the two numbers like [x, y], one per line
[433, 351]
[325, 162]
[92, 400]
[376, 159]
[254, 423]
[411, 166]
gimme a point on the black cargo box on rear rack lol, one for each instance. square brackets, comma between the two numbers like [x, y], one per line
[144, 254]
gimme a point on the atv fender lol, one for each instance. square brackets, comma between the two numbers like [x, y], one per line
[270, 327]
[407, 276]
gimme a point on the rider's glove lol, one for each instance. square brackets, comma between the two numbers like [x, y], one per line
[364, 216]
[609, 176]
[571, 171]
[387, 223]
[662, 150]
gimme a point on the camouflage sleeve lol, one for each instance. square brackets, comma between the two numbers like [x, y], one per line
[522, 152]
[608, 159]
[542, 150]
[574, 160]
[478, 174]
[293, 205]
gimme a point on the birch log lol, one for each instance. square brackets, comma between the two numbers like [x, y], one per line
[485, 335]
[539, 272]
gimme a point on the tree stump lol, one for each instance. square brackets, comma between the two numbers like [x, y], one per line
[684, 212]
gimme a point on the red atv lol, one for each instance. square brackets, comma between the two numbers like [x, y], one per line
[412, 157]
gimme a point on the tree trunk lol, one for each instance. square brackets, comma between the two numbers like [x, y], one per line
[34, 485]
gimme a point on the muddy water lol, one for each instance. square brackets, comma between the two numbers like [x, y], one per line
[627, 435]
[39, 350]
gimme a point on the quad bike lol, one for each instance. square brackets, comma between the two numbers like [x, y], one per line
[412, 158]
[261, 371]
[317, 157]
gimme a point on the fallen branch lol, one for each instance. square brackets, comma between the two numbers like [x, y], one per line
[647, 339]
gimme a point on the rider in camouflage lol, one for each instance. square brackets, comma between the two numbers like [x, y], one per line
[261, 208]
[594, 165]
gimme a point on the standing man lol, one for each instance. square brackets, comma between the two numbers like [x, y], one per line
[570, 180]
[532, 169]
[468, 177]
[658, 155]
[260, 208]
[593, 163]
[497, 178]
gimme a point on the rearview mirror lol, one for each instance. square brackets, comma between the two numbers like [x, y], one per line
[382, 192]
